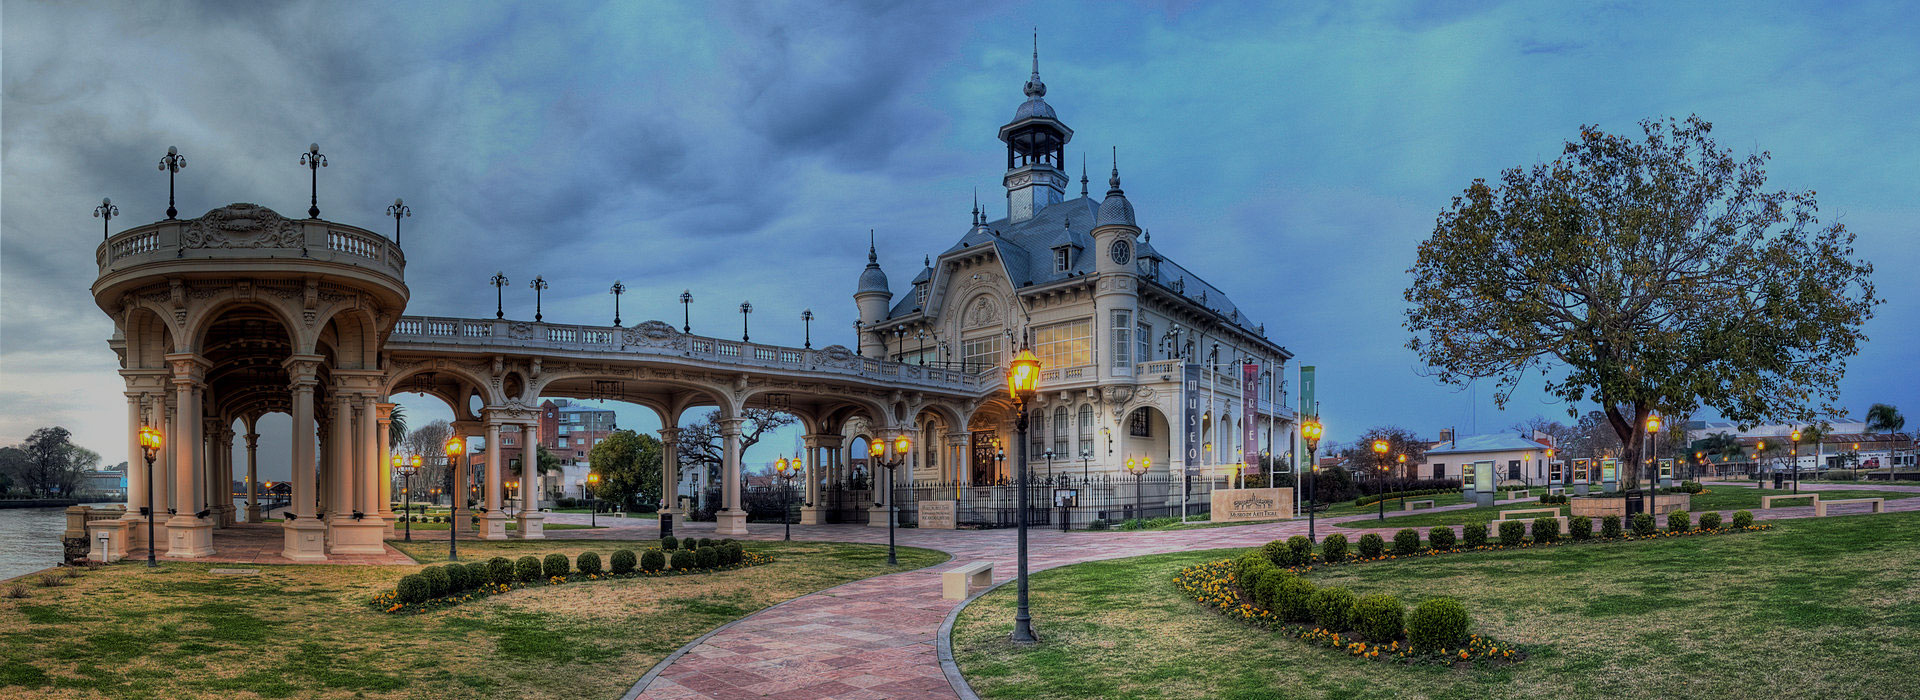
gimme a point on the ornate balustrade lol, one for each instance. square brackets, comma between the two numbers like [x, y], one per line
[249, 232]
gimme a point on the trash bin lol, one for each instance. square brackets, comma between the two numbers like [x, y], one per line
[1636, 503]
[1779, 480]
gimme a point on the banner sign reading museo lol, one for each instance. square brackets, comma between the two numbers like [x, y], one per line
[1250, 417]
[1191, 415]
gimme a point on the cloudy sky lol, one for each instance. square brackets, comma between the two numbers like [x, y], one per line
[1292, 154]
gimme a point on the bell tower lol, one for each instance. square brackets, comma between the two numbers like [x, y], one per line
[1036, 151]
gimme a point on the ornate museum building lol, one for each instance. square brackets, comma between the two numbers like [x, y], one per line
[242, 312]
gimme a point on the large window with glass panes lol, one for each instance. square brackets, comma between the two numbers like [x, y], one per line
[1068, 344]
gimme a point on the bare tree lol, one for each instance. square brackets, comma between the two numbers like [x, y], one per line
[701, 444]
[430, 443]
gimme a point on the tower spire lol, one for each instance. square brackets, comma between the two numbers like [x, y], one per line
[1034, 87]
[1113, 182]
[1083, 173]
[976, 205]
[873, 253]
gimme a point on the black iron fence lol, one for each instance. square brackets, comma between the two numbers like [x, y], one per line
[1063, 501]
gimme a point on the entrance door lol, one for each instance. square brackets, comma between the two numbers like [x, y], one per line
[981, 466]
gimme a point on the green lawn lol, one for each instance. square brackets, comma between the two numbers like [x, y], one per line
[1716, 498]
[1825, 608]
[180, 631]
[468, 529]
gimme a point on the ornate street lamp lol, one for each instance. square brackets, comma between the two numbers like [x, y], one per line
[1138, 468]
[1311, 430]
[406, 469]
[172, 163]
[105, 213]
[499, 282]
[859, 330]
[787, 471]
[686, 318]
[399, 210]
[593, 499]
[746, 307]
[511, 485]
[150, 441]
[878, 450]
[1023, 382]
[539, 284]
[454, 449]
[1380, 460]
[1653, 476]
[314, 161]
[617, 290]
[1794, 453]
[806, 321]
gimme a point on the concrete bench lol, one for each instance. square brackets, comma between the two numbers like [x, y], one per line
[1409, 504]
[1766, 502]
[1513, 495]
[954, 583]
[1557, 491]
[1518, 514]
[1820, 507]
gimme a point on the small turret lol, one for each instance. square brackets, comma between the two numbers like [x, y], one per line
[872, 298]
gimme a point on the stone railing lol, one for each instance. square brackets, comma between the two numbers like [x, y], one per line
[245, 231]
[656, 340]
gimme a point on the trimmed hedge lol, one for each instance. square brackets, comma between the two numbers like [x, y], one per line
[1474, 535]
[623, 561]
[457, 578]
[1580, 527]
[438, 582]
[555, 565]
[1743, 518]
[1334, 548]
[706, 556]
[1437, 623]
[1710, 520]
[1371, 546]
[669, 543]
[1679, 521]
[527, 568]
[1512, 533]
[1440, 537]
[682, 559]
[1379, 617]
[653, 560]
[1546, 529]
[1266, 590]
[1302, 549]
[1406, 541]
[1291, 600]
[476, 574]
[1609, 526]
[588, 563]
[1277, 553]
[413, 588]
[1643, 525]
[499, 570]
[1332, 608]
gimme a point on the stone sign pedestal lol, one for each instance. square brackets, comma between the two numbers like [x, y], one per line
[939, 515]
[532, 526]
[1241, 505]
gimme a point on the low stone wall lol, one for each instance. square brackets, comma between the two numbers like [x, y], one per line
[1596, 507]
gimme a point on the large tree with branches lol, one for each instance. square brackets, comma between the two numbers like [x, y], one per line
[701, 444]
[1643, 273]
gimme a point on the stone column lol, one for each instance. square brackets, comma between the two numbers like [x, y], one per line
[493, 521]
[303, 535]
[338, 460]
[670, 471]
[731, 520]
[531, 521]
[811, 513]
[383, 465]
[188, 534]
[366, 478]
[253, 473]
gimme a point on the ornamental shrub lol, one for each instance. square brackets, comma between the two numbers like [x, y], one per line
[499, 570]
[1609, 526]
[707, 556]
[1248, 567]
[1277, 553]
[1679, 521]
[1334, 548]
[1291, 601]
[735, 552]
[1406, 541]
[704, 542]
[669, 543]
[554, 565]
[623, 561]
[1546, 530]
[527, 568]
[1643, 525]
[1379, 617]
[1437, 623]
[1440, 537]
[413, 588]
[682, 559]
[1302, 549]
[1475, 535]
[1332, 608]
[1512, 533]
[1266, 593]
[652, 560]
[1743, 518]
[1371, 546]
[476, 574]
[1710, 520]
[588, 563]
[456, 578]
[1580, 527]
[437, 581]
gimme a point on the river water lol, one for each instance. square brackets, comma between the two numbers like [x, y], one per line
[30, 539]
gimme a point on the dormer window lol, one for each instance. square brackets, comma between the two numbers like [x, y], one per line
[1062, 258]
[920, 294]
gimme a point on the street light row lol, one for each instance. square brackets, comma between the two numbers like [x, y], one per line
[312, 159]
[539, 284]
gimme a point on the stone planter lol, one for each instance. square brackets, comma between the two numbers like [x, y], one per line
[1597, 506]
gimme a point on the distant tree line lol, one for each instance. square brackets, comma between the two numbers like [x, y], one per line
[47, 464]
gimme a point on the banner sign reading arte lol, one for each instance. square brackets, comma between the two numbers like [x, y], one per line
[1237, 505]
[1191, 414]
[1250, 417]
[1308, 408]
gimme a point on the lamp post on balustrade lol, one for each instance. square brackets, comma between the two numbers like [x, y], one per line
[617, 290]
[859, 330]
[499, 282]
[173, 162]
[105, 213]
[398, 211]
[806, 322]
[686, 317]
[314, 161]
[539, 284]
[746, 308]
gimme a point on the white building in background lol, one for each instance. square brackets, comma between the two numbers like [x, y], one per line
[1848, 444]
[1515, 458]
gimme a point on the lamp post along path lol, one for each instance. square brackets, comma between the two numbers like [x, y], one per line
[454, 448]
[1023, 382]
[150, 442]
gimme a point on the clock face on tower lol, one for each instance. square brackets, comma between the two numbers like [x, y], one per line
[1122, 252]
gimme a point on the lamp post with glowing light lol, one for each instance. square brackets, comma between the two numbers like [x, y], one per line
[593, 499]
[1380, 459]
[454, 449]
[1653, 474]
[1138, 468]
[1793, 453]
[1023, 382]
[1311, 430]
[150, 442]
[512, 485]
[878, 450]
[787, 471]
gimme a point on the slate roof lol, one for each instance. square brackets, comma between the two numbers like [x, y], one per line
[1498, 442]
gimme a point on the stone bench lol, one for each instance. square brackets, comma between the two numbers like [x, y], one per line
[1506, 515]
[954, 583]
[1511, 495]
[1409, 504]
[1557, 491]
[1766, 502]
[1820, 507]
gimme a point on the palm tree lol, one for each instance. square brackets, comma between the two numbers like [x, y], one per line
[1721, 447]
[1884, 418]
[397, 427]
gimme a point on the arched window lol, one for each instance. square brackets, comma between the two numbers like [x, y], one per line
[1060, 424]
[1086, 429]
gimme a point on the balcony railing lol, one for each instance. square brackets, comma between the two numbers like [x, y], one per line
[239, 232]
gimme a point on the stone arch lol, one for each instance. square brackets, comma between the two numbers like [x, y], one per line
[1158, 443]
[201, 320]
[465, 376]
[354, 338]
[148, 337]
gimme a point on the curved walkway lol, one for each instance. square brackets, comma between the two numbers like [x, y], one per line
[876, 638]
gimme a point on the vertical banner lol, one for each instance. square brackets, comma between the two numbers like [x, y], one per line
[1308, 408]
[1191, 415]
[1250, 417]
